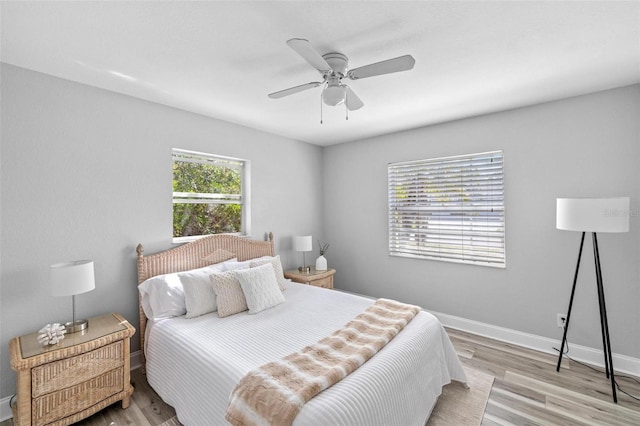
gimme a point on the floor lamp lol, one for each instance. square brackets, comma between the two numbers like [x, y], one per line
[593, 215]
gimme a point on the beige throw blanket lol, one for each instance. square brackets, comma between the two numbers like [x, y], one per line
[274, 393]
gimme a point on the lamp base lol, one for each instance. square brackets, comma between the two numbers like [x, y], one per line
[76, 326]
[305, 269]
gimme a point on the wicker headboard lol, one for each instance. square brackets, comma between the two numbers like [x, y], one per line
[191, 256]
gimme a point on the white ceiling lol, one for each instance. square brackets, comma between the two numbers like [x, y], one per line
[221, 59]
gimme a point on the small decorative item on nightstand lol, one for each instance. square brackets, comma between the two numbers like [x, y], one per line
[321, 261]
[51, 334]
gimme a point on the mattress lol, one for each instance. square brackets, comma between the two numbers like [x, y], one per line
[194, 364]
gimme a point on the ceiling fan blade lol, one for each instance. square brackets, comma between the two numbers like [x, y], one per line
[304, 49]
[401, 63]
[352, 100]
[292, 90]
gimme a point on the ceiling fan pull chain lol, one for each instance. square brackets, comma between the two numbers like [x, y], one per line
[346, 111]
[320, 107]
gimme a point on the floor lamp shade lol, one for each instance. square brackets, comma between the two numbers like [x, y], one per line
[593, 214]
[69, 279]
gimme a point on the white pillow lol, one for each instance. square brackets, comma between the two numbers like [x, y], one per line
[163, 296]
[233, 264]
[199, 296]
[260, 288]
[277, 269]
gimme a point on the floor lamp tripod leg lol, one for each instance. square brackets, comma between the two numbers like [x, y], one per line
[573, 291]
[604, 323]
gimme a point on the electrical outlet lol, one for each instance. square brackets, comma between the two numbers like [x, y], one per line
[561, 320]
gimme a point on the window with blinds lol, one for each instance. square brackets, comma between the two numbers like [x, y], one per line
[209, 195]
[449, 209]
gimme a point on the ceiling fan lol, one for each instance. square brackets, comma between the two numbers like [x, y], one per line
[334, 67]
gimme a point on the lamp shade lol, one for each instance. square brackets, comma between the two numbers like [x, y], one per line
[304, 243]
[71, 278]
[593, 214]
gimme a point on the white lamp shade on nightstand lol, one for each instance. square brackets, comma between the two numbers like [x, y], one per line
[71, 278]
[593, 214]
[304, 243]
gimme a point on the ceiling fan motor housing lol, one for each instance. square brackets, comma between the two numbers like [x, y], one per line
[338, 62]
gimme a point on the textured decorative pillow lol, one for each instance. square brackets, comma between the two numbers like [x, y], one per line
[162, 296]
[219, 255]
[229, 296]
[199, 296]
[260, 287]
[277, 269]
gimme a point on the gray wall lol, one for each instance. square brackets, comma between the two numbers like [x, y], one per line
[86, 174]
[587, 146]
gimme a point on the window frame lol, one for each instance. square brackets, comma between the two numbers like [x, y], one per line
[458, 233]
[243, 199]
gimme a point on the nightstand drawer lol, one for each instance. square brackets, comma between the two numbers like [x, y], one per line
[75, 370]
[73, 399]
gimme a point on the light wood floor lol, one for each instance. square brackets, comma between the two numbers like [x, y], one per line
[526, 391]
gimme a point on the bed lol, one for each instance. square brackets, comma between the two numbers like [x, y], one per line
[195, 363]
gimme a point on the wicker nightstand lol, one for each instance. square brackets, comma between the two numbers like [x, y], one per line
[81, 375]
[322, 279]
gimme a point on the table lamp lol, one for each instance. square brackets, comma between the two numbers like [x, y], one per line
[303, 244]
[593, 215]
[69, 279]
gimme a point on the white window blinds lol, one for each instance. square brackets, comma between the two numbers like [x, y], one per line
[449, 209]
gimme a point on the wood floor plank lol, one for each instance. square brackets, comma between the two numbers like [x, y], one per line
[522, 411]
[589, 414]
[623, 410]
[521, 393]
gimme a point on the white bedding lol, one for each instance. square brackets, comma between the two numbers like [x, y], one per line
[194, 364]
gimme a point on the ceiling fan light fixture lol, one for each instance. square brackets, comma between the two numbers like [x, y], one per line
[334, 95]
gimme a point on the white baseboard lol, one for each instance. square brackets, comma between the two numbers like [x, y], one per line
[5, 403]
[5, 409]
[136, 360]
[622, 363]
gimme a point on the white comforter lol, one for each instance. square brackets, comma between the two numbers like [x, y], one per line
[194, 364]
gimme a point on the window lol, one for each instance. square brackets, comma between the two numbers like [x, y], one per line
[209, 195]
[449, 209]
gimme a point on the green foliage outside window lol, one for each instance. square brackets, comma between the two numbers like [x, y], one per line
[207, 197]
